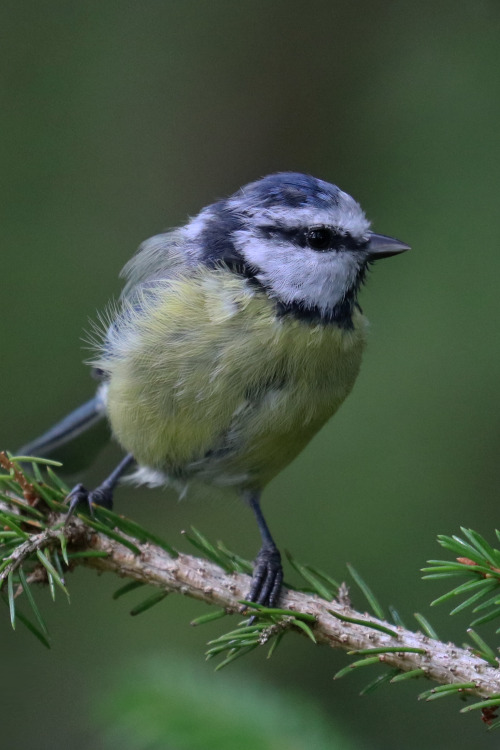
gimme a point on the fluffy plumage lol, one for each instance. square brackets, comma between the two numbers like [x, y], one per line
[235, 339]
[206, 381]
[217, 368]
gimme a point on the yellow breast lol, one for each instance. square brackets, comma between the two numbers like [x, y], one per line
[206, 380]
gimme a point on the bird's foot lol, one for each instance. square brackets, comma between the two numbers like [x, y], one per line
[267, 577]
[80, 496]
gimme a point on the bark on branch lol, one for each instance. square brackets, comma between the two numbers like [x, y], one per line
[200, 579]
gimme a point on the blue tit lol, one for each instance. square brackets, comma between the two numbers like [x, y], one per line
[236, 337]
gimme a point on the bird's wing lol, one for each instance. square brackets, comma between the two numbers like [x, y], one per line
[159, 257]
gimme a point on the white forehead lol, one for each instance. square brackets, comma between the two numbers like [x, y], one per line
[345, 213]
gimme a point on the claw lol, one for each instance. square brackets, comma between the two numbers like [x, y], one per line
[267, 578]
[102, 495]
[79, 495]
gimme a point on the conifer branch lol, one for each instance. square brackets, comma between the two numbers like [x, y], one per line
[39, 544]
[335, 624]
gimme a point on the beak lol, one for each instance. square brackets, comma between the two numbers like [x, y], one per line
[380, 246]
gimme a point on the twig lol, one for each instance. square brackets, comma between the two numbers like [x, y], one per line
[336, 624]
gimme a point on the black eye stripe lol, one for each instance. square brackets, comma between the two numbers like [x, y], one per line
[323, 239]
[335, 238]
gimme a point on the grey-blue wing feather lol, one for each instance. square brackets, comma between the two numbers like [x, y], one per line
[159, 257]
[71, 427]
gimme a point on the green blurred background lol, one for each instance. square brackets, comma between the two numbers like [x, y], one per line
[120, 119]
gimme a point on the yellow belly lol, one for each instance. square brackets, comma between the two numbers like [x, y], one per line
[206, 381]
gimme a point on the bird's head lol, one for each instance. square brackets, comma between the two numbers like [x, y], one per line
[304, 241]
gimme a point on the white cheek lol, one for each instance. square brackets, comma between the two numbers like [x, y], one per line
[301, 275]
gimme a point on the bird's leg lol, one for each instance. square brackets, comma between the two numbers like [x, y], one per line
[267, 574]
[103, 494]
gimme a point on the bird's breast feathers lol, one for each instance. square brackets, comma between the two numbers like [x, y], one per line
[206, 380]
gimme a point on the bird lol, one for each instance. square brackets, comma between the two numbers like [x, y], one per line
[235, 338]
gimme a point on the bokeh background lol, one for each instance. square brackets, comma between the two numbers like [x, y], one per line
[120, 119]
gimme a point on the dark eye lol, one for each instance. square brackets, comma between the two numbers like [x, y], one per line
[320, 238]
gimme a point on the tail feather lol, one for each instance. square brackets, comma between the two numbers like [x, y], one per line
[74, 424]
